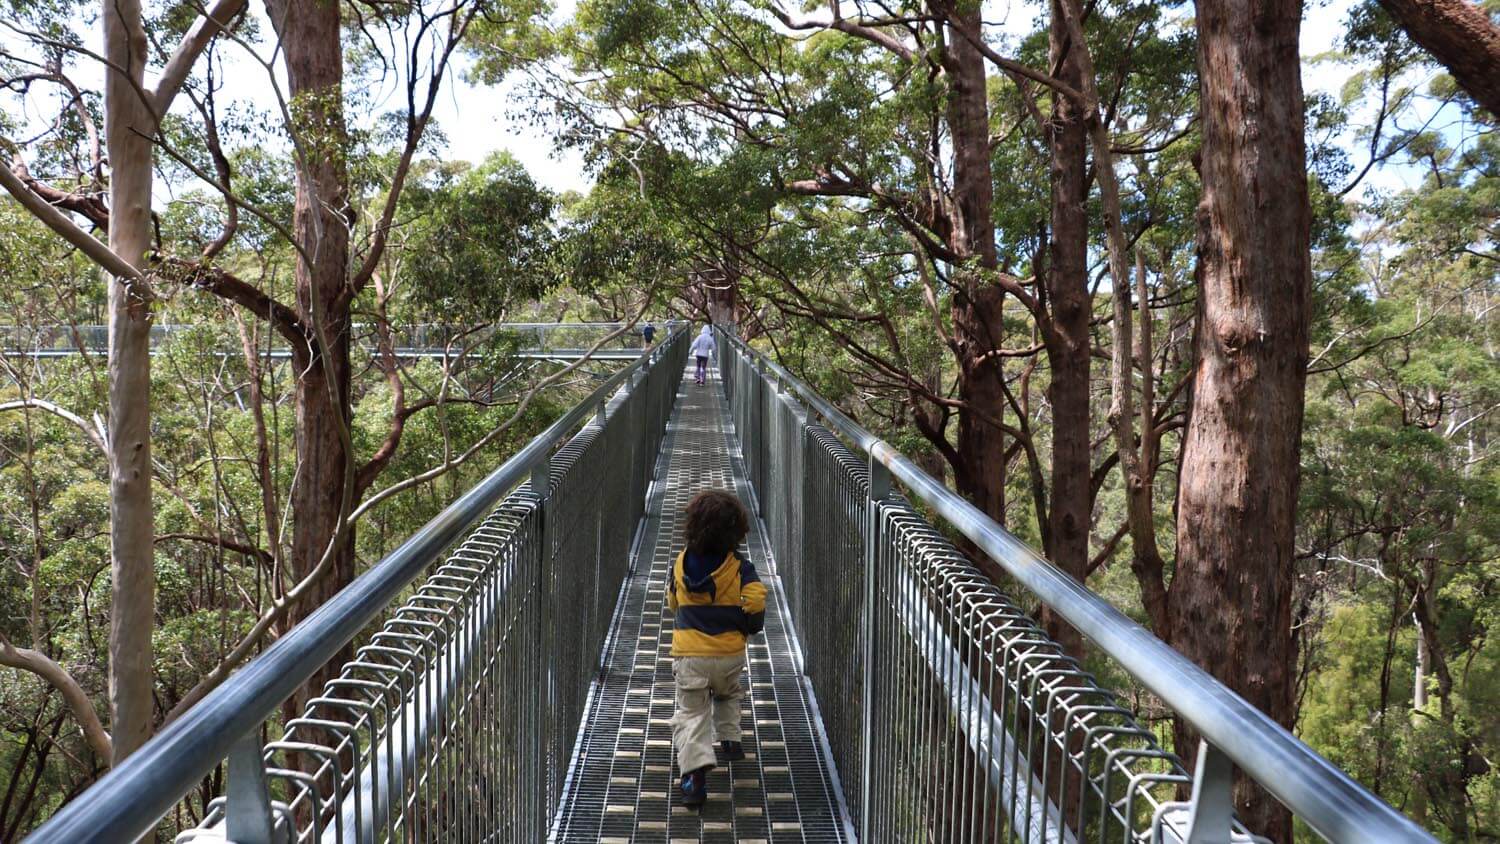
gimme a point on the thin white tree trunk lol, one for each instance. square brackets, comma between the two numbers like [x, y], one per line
[129, 128]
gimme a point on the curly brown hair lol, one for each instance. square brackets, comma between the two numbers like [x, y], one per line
[716, 522]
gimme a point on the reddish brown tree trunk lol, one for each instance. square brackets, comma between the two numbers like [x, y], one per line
[1237, 503]
[977, 310]
[980, 475]
[1140, 467]
[310, 35]
[1067, 333]
[1461, 36]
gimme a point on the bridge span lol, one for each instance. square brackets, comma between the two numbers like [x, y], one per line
[512, 683]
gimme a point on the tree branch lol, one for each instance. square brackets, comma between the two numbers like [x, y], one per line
[855, 28]
[1461, 36]
[95, 435]
[58, 678]
[220, 542]
[194, 42]
[246, 295]
[89, 245]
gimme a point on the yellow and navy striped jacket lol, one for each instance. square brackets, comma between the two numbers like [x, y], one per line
[717, 606]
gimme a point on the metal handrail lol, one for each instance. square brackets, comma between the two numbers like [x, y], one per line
[131, 799]
[97, 333]
[1327, 799]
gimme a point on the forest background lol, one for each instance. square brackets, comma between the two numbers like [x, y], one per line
[909, 204]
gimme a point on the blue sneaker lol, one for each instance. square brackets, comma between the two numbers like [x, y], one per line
[693, 790]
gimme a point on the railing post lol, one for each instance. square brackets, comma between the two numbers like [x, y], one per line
[541, 735]
[1212, 808]
[880, 489]
[758, 436]
[247, 805]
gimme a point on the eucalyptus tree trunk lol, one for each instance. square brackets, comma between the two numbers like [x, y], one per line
[1237, 501]
[1067, 333]
[978, 307]
[1138, 463]
[323, 490]
[129, 127]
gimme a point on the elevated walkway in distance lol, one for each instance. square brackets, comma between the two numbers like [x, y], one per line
[621, 785]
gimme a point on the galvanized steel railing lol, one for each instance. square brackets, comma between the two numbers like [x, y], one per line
[455, 721]
[420, 340]
[951, 715]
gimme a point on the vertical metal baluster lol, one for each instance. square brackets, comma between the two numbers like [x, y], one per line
[879, 489]
[1212, 806]
[247, 806]
[540, 654]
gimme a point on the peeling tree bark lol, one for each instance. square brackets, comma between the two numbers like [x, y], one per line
[1237, 502]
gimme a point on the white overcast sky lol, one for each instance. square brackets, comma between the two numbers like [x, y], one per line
[481, 111]
[480, 119]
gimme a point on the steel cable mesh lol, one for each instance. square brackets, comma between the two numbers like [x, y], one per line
[832, 581]
[456, 721]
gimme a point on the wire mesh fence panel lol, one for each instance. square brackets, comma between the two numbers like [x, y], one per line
[950, 714]
[457, 719]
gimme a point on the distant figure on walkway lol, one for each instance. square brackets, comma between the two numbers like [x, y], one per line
[648, 331]
[719, 602]
[703, 349]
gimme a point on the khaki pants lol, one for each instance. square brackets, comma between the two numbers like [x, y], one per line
[708, 707]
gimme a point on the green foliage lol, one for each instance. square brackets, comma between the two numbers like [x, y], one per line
[482, 240]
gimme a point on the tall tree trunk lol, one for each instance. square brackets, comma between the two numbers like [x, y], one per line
[1463, 761]
[978, 308]
[310, 35]
[1145, 554]
[1237, 502]
[1418, 804]
[1461, 36]
[129, 128]
[980, 475]
[1067, 333]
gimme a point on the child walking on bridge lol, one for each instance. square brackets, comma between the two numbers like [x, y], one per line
[719, 602]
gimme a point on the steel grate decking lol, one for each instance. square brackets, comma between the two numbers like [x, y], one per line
[620, 787]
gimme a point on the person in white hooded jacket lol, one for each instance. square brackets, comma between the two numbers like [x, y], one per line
[703, 349]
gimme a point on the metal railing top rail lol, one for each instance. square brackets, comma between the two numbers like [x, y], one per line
[97, 335]
[132, 798]
[1314, 789]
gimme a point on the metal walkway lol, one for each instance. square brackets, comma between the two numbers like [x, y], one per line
[620, 787]
[477, 707]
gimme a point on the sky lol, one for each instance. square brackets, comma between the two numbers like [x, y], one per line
[484, 108]
[481, 119]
